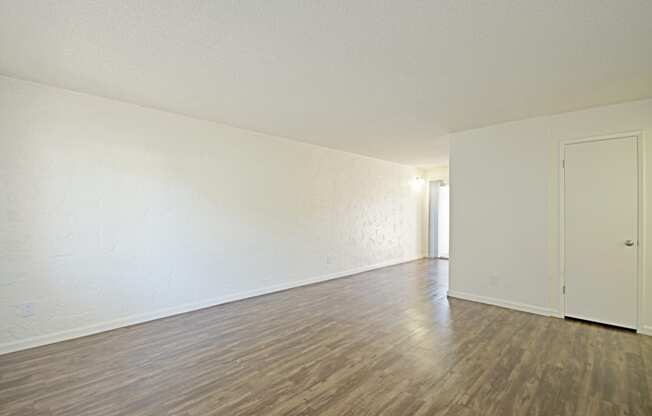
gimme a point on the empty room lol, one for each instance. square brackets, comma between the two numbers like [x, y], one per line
[285, 207]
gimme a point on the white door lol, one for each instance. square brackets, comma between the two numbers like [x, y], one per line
[601, 231]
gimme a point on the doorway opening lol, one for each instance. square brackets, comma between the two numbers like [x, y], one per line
[438, 219]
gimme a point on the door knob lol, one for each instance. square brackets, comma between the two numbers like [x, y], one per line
[629, 243]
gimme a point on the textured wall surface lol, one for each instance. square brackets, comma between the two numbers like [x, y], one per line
[110, 211]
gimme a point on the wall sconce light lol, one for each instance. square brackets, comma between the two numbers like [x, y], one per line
[417, 183]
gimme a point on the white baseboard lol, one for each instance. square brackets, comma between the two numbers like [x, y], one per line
[503, 303]
[32, 342]
[645, 330]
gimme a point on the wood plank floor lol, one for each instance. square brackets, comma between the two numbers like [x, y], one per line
[386, 342]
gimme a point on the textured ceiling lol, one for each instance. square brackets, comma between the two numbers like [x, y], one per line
[383, 78]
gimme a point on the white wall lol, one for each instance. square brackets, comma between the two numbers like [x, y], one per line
[111, 213]
[436, 173]
[504, 205]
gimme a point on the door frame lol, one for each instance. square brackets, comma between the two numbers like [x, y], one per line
[640, 257]
[433, 243]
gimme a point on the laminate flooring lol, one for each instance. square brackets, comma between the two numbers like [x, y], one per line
[384, 342]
